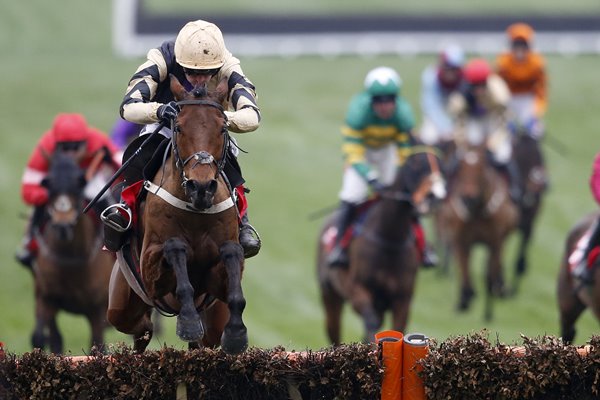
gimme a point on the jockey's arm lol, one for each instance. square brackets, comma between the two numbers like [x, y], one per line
[354, 150]
[137, 105]
[243, 113]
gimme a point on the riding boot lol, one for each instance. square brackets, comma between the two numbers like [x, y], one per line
[581, 270]
[429, 258]
[339, 254]
[27, 252]
[249, 238]
[117, 220]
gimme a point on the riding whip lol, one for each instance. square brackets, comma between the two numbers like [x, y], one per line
[123, 167]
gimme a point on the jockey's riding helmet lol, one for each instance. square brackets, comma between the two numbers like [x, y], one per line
[70, 128]
[477, 71]
[200, 45]
[452, 56]
[383, 81]
[520, 31]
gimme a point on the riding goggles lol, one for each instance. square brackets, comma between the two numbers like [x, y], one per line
[69, 146]
[201, 72]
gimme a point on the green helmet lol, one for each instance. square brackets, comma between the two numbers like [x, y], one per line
[383, 81]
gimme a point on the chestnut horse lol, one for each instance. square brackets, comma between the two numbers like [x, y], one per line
[384, 258]
[478, 210]
[530, 162]
[573, 295]
[191, 262]
[71, 271]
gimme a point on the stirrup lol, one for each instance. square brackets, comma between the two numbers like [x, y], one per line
[251, 249]
[119, 208]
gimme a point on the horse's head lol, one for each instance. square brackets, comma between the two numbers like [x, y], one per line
[65, 183]
[420, 178]
[470, 179]
[200, 141]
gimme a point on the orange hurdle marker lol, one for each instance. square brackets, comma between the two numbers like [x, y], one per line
[391, 350]
[415, 347]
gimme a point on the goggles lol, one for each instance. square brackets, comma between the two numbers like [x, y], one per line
[384, 98]
[201, 72]
[69, 146]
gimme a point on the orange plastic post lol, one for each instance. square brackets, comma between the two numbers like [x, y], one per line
[391, 350]
[416, 346]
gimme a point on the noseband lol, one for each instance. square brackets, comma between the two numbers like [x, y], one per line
[200, 157]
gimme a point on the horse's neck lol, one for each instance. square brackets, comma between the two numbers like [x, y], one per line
[390, 219]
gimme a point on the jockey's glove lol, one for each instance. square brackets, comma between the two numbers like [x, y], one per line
[168, 112]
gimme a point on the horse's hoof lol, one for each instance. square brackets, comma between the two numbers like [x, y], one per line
[234, 344]
[189, 330]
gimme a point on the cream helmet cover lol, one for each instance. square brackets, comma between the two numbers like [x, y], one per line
[200, 45]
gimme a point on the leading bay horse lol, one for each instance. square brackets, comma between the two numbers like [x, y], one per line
[478, 210]
[71, 271]
[191, 262]
[384, 258]
[573, 295]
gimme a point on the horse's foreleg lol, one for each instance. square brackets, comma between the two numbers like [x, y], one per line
[570, 306]
[45, 319]
[97, 324]
[189, 326]
[362, 302]
[466, 288]
[235, 335]
[332, 302]
[521, 265]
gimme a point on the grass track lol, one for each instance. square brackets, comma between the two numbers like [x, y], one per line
[55, 63]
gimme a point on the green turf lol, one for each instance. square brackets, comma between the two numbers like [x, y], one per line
[54, 62]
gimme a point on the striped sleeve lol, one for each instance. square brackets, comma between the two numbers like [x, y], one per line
[137, 105]
[243, 112]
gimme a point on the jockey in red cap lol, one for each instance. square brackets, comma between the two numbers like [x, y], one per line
[69, 134]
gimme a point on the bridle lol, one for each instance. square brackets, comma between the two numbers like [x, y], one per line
[200, 157]
[417, 198]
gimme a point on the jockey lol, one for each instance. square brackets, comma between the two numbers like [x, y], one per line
[437, 83]
[524, 72]
[90, 147]
[580, 259]
[480, 114]
[197, 57]
[376, 139]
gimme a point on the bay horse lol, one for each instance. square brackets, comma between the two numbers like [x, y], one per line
[383, 257]
[190, 259]
[530, 162]
[573, 295]
[478, 210]
[71, 272]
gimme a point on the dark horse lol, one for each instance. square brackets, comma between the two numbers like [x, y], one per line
[573, 295]
[71, 271]
[530, 162]
[384, 258]
[191, 262]
[478, 209]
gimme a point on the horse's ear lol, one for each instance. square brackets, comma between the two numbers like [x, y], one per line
[45, 182]
[177, 88]
[221, 90]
